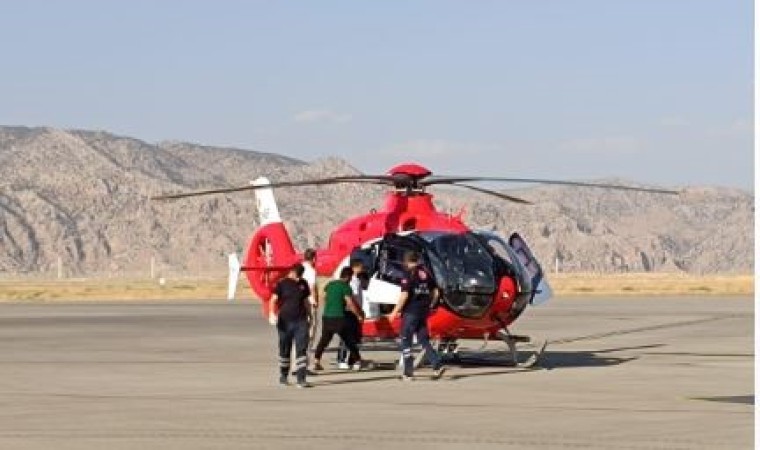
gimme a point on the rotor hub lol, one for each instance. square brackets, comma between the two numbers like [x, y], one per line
[412, 170]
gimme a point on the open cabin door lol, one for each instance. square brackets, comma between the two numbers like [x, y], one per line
[541, 289]
[384, 259]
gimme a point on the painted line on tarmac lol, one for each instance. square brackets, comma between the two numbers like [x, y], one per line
[624, 331]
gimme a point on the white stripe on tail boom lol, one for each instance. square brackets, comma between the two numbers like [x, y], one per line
[265, 203]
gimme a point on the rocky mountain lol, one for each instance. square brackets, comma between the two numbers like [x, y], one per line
[82, 196]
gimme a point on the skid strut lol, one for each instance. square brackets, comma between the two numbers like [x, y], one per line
[513, 339]
[448, 349]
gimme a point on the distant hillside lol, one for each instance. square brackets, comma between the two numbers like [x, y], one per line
[83, 196]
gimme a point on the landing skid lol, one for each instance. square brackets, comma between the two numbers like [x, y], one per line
[449, 351]
[512, 340]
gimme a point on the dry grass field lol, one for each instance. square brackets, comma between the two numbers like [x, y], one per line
[644, 284]
[115, 289]
[215, 288]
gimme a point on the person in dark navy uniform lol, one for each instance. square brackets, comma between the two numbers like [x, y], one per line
[418, 293]
[291, 309]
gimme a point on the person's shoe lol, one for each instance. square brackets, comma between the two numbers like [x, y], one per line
[438, 373]
[304, 384]
[343, 366]
[407, 378]
[357, 366]
[284, 381]
[318, 366]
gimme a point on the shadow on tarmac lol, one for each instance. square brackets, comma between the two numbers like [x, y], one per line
[738, 399]
[550, 360]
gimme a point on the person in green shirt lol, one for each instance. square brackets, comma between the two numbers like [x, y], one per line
[337, 296]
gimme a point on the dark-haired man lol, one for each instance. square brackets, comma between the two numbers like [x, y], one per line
[290, 306]
[418, 293]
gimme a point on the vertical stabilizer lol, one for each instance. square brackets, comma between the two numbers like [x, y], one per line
[270, 252]
[265, 203]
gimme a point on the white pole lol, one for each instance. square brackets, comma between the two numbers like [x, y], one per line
[556, 264]
[60, 268]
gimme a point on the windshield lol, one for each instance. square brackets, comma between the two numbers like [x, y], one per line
[467, 264]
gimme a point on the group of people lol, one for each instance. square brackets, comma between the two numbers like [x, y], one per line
[296, 300]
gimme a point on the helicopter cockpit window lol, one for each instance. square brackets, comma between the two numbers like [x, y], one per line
[439, 270]
[467, 268]
[507, 263]
[468, 264]
[366, 256]
[390, 263]
[499, 248]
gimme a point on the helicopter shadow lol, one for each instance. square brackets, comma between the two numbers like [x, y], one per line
[552, 360]
[549, 360]
[481, 363]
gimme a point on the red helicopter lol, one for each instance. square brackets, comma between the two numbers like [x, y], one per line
[486, 281]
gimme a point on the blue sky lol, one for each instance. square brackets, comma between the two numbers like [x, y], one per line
[657, 91]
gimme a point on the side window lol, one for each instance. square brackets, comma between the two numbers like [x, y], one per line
[389, 265]
[366, 256]
[499, 250]
[438, 269]
[389, 260]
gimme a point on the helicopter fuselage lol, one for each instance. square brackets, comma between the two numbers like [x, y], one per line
[486, 282]
[466, 311]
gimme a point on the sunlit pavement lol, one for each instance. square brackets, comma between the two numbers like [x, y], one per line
[618, 373]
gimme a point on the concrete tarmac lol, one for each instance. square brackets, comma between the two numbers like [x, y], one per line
[618, 373]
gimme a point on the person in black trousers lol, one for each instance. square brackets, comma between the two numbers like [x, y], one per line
[338, 296]
[418, 293]
[290, 304]
[353, 322]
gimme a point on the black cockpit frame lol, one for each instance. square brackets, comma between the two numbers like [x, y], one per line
[465, 269]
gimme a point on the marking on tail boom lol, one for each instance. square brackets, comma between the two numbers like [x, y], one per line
[265, 203]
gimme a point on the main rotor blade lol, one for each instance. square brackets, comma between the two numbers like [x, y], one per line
[453, 180]
[494, 193]
[372, 179]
